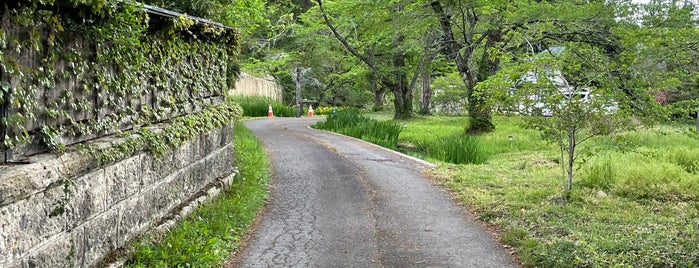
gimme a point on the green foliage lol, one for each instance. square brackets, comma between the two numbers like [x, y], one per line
[386, 37]
[459, 149]
[570, 94]
[49, 138]
[599, 174]
[682, 111]
[645, 215]
[324, 110]
[659, 49]
[254, 106]
[436, 136]
[686, 158]
[95, 85]
[659, 181]
[158, 141]
[341, 119]
[207, 236]
[450, 95]
[433, 143]
[244, 15]
[384, 133]
[352, 123]
[61, 205]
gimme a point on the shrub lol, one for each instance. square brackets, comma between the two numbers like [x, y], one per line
[352, 123]
[342, 119]
[255, 106]
[682, 111]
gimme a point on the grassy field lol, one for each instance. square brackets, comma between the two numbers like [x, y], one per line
[635, 199]
[208, 235]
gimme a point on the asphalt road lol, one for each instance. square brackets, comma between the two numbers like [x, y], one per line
[339, 202]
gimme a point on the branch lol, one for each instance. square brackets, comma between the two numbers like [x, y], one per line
[450, 46]
[345, 44]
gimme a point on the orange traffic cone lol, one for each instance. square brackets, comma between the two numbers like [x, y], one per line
[269, 112]
[310, 110]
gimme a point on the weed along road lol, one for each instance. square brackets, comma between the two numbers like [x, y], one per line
[339, 202]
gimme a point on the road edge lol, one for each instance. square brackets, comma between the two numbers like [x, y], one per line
[399, 154]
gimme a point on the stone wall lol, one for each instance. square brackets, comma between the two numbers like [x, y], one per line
[249, 85]
[68, 211]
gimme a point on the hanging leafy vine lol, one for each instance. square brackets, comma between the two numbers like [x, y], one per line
[78, 69]
[158, 140]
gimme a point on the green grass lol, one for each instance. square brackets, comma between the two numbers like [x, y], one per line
[259, 106]
[458, 149]
[351, 122]
[635, 200]
[442, 138]
[207, 236]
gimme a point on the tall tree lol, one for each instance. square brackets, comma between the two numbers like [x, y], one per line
[389, 28]
[477, 34]
[462, 50]
[430, 45]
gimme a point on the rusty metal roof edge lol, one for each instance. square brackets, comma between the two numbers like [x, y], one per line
[171, 14]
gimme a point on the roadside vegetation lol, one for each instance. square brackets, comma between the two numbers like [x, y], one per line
[635, 201]
[254, 106]
[352, 123]
[208, 235]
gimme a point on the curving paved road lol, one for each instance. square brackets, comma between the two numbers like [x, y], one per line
[339, 202]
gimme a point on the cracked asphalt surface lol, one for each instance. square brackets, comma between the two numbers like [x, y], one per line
[339, 202]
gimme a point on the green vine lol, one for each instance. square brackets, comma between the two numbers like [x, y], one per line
[61, 205]
[158, 141]
[50, 138]
[106, 70]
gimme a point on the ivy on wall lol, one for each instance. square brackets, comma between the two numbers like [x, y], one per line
[158, 140]
[75, 69]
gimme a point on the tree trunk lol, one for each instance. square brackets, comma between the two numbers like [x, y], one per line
[402, 92]
[478, 109]
[571, 158]
[463, 55]
[379, 92]
[299, 87]
[429, 51]
[403, 102]
[425, 90]
[480, 120]
[403, 99]
[378, 99]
